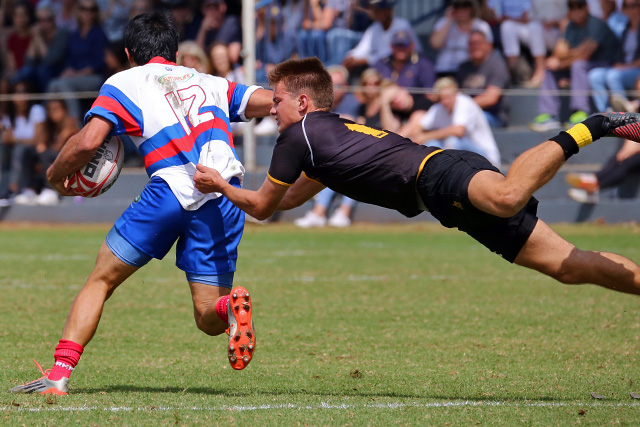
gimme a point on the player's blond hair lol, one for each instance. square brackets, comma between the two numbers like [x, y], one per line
[306, 76]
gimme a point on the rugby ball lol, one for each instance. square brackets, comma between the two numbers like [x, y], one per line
[101, 172]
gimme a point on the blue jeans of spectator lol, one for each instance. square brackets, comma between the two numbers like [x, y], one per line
[579, 76]
[23, 162]
[325, 196]
[339, 42]
[616, 80]
[455, 143]
[494, 121]
[312, 43]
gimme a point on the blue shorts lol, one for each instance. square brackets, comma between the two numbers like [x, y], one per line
[207, 238]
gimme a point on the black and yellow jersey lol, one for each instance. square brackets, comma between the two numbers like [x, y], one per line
[366, 164]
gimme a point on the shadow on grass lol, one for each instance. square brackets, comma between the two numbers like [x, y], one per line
[303, 392]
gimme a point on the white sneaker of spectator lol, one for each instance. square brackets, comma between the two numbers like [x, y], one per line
[584, 196]
[311, 220]
[339, 219]
[267, 126]
[48, 197]
[27, 197]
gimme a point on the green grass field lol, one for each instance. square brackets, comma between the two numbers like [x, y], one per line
[385, 325]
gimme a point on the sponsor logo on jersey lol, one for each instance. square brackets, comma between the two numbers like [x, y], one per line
[166, 79]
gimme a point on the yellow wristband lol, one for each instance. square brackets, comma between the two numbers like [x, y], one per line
[581, 134]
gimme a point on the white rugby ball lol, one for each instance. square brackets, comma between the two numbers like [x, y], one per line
[101, 172]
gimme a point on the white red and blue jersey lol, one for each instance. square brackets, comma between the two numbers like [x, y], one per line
[177, 117]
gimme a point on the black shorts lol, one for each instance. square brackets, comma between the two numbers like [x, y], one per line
[443, 186]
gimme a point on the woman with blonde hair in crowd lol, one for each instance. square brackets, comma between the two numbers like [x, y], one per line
[369, 97]
[191, 55]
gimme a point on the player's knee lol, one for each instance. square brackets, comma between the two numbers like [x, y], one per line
[571, 271]
[509, 203]
[207, 327]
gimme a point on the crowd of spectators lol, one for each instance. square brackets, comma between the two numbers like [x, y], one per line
[475, 50]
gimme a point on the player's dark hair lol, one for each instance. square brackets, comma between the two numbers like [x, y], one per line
[152, 34]
[306, 76]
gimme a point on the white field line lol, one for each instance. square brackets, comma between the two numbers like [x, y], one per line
[323, 405]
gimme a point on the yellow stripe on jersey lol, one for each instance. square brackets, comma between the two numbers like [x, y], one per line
[581, 134]
[311, 179]
[377, 133]
[277, 181]
[424, 161]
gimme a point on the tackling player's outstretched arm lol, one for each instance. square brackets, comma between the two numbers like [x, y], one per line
[259, 204]
[76, 153]
[301, 191]
[259, 104]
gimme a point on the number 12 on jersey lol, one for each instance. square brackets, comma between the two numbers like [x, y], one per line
[186, 104]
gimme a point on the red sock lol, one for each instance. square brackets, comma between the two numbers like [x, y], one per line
[67, 355]
[221, 309]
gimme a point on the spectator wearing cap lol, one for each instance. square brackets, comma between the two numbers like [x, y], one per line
[405, 66]
[486, 74]
[517, 27]
[218, 27]
[450, 36]
[588, 43]
[404, 70]
[344, 21]
[46, 55]
[376, 40]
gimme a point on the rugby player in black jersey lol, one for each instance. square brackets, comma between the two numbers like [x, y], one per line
[461, 189]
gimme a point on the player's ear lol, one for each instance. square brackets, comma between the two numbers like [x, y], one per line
[131, 61]
[303, 102]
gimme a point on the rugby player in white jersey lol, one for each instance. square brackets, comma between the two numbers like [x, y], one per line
[177, 118]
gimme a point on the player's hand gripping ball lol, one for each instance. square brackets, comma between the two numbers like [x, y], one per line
[101, 172]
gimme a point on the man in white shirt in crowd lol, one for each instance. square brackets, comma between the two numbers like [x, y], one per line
[376, 40]
[454, 122]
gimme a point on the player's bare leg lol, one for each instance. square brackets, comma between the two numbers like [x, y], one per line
[504, 196]
[218, 309]
[86, 310]
[548, 253]
[205, 299]
[82, 322]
